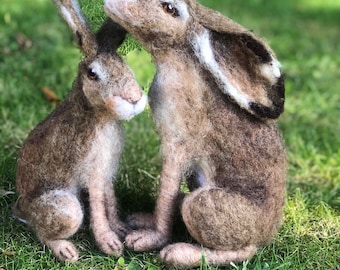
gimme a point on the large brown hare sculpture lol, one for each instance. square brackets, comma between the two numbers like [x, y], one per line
[78, 146]
[216, 93]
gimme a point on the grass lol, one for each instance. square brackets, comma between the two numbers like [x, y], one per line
[36, 49]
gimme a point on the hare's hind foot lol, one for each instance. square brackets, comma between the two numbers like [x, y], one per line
[54, 216]
[183, 255]
[139, 221]
[63, 250]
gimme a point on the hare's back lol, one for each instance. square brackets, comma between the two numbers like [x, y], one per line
[52, 150]
[245, 151]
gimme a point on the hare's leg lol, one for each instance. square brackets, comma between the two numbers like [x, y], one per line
[107, 240]
[146, 221]
[54, 216]
[111, 210]
[228, 224]
[156, 238]
[185, 255]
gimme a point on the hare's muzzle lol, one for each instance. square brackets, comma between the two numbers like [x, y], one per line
[125, 109]
[129, 90]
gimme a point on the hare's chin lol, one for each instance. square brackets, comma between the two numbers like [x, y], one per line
[124, 109]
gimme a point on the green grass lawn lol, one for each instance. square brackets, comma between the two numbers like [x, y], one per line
[36, 50]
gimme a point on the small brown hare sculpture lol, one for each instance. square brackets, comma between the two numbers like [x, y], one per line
[216, 93]
[78, 146]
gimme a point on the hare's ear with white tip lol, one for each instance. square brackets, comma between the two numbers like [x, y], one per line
[110, 36]
[243, 66]
[70, 11]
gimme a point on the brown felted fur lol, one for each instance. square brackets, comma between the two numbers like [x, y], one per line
[223, 143]
[78, 146]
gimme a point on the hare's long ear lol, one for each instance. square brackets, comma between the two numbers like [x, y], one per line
[70, 11]
[109, 36]
[243, 66]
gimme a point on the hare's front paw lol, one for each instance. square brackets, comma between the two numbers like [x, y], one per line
[63, 250]
[139, 221]
[109, 243]
[145, 240]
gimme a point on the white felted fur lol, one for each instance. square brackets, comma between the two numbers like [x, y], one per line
[204, 52]
[67, 16]
[98, 68]
[126, 110]
[271, 71]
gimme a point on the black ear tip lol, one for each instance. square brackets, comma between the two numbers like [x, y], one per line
[277, 96]
[266, 112]
[256, 47]
[110, 36]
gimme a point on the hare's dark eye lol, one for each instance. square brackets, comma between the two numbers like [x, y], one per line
[92, 75]
[170, 9]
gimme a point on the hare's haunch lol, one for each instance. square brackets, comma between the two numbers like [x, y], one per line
[216, 93]
[78, 146]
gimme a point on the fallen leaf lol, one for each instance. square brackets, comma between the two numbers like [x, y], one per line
[8, 253]
[50, 95]
[23, 41]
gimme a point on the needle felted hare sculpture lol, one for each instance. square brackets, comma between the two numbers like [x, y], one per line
[77, 147]
[214, 98]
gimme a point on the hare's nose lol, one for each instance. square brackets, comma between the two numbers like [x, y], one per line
[132, 101]
[133, 97]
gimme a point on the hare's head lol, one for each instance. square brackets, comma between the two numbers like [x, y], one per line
[155, 23]
[243, 66]
[105, 79]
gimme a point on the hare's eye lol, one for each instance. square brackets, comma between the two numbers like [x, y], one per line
[92, 75]
[168, 8]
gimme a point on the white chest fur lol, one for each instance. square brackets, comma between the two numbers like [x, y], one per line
[177, 101]
[102, 159]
